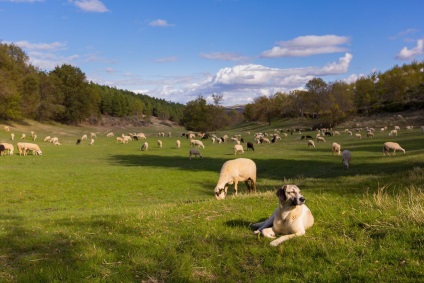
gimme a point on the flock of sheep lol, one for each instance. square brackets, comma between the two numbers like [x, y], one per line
[233, 171]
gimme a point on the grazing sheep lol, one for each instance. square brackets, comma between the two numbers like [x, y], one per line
[391, 145]
[78, 141]
[358, 136]
[6, 128]
[178, 144]
[336, 148]
[120, 140]
[23, 137]
[25, 147]
[84, 137]
[393, 132]
[346, 157]
[54, 140]
[250, 146]
[349, 133]
[34, 137]
[397, 128]
[110, 134]
[91, 141]
[159, 143]
[370, 134]
[336, 133]
[46, 139]
[9, 147]
[238, 148]
[197, 143]
[141, 136]
[234, 171]
[320, 139]
[12, 136]
[93, 135]
[194, 152]
[145, 146]
[311, 143]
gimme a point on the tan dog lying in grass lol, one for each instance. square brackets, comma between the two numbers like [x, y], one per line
[291, 218]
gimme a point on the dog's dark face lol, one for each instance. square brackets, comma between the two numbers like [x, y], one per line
[290, 194]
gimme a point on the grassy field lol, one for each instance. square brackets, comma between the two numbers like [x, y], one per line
[111, 213]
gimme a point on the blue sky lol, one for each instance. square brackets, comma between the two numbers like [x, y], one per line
[241, 49]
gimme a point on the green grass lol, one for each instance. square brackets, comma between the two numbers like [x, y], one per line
[111, 213]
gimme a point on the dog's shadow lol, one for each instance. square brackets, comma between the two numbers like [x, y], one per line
[242, 223]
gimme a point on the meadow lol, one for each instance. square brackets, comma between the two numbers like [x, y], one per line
[112, 213]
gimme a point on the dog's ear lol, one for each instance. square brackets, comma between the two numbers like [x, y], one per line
[281, 193]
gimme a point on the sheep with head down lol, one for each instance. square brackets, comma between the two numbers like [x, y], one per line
[346, 157]
[234, 171]
[391, 145]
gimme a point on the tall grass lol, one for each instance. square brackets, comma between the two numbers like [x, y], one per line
[111, 213]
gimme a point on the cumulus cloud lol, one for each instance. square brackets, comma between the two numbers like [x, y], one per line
[307, 45]
[240, 84]
[409, 54]
[225, 56]
[160, 23]
[96, 6]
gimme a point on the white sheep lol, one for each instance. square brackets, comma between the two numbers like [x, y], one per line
[46, 139]
[238, 148]
[23, 136]
[370, 134]
[6, 128]
[120, 140]
[393, 132]
[25, 147]
[159, 143]
[12, 136]
[84, 137]
[194, 152]
[320, 139]
[397, 128]
[141, 136]
[91, 141]
[234, 171]
[34, 137]
[145, 146]
[110, 134]
[391, 145]
[9, 147]
[311, 143]
[54, 140]
[358, 136]
[197, 143]
[336, 148]
[93, 135]
[178, 144]
[346, 157]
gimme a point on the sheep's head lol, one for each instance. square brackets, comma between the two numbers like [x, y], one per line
[290, 194]
[345, 163]
[38, 152]
[220, 193]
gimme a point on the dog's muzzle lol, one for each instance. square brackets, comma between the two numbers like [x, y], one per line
[298, 201]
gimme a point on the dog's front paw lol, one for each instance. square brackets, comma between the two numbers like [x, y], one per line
[268, 233]
[275, 243]
[257, 232]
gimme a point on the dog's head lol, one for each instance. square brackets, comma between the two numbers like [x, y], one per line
[220, 193]
[290, 194]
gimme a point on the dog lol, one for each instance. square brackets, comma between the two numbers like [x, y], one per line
[291, 218]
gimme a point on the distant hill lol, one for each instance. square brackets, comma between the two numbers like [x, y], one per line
[238, 108]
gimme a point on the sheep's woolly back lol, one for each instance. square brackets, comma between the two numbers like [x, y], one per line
[240, 170]
[346, 157]
[392, 145]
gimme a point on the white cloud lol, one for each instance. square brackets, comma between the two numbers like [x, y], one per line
[226, 56]
[90, 5]
[240, 84]
[160, 23]
[40, 46]
[409, 54]
[307, 46]
[22, 1]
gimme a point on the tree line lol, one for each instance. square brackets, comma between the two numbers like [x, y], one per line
[64, 94]
[398, 89]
